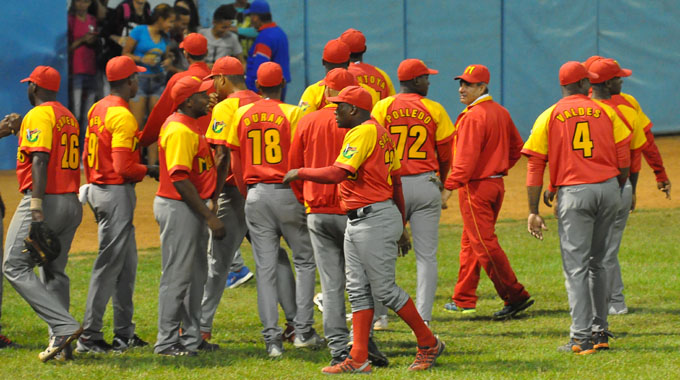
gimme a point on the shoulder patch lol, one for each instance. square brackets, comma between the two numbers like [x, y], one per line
[218, 126]
[349, 151]
[32, 135]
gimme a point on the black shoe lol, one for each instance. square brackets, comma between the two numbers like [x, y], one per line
[121, 343]
[90, 346]
[65, 354]
[205, 346]
[511, 310]
[578, 346]
[5, 342]
[339, 358]
[601, 339]
[376, 357]
[57, 344]
[177, 350]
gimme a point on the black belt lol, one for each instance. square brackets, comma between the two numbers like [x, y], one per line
[274, 185]
[359, 212]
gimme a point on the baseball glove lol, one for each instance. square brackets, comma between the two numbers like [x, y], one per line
[42, 244]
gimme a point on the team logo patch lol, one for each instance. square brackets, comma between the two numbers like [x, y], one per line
[303, 106]
[349, 151]
[218, 126]
[32, 135]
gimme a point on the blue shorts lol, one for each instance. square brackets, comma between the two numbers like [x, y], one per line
[150, 85]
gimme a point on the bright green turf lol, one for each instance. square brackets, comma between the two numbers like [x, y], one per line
[646, 346]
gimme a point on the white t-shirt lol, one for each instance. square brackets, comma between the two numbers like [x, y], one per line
[221, 47]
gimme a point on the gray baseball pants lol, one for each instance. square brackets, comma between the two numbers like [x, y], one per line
[48, 296]
[115, 268]
[423, 205]
[273, 211]
[184, 240]
[586, 215]
[370, 258]
[611, 258]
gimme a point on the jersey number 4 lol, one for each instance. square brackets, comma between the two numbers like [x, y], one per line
[272, 146]
[403, 132]
[581, 140]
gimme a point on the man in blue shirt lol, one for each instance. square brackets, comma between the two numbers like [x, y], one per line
[271, 44]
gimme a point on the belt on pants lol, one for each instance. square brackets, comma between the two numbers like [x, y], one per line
[359, 212]
[273, 185]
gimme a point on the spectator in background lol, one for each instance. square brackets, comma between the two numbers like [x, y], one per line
[82, 40]
[244, 28]
[221, 41]
[147, 46]
[193, 12]
[177, 34]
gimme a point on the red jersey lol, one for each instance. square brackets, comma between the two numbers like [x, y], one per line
[166, 106]
[50, 128]
[368, 154]
[629, 118]
[112, 127]
[261, 132]
[316, 144]
[372, 76]
[417, 126]
[487, 143]
[580, 139]
[184, 153]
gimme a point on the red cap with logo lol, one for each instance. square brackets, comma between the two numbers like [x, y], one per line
[226, 66]
[354, 95]
[194, 44]
[607, 69]
[187, 86]
[336, 51]
[573, 71]
[354, 39]
[45, 77]
[121, 67]
[339, 78]
[269, 74]
[475, 74]
[413, 68]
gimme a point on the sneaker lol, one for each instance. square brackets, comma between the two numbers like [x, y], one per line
[121, 343]
[339, 358]
[239, 278]
[578, 346]
[451, 307]
[513, 309]
[91, 346]
[177, 349]
[348, 366]
[309, 340]
[289, 333]
[275, 349]
[318, 301]
[380, 323]
[426, 356]
[601, 339]
[615, 311]
[57, 344]
[376, 357]
[205, 346]
[5, 342]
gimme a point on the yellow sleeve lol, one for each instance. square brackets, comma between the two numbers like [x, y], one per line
[388, 81]
[375, 96]
[380, 109]
[232, 133]
[123, 127]
[621, 131]
[643, 119]
[180, 145]
[311, 98]
[293, 114]
[357, 146]
[538, 140]
[220, 123]
[445, 126]
[36, 130]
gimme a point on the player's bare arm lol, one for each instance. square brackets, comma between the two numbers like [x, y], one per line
[190, 196]
[446, 194]
[222, 162]
[535, 223]
[39, 176]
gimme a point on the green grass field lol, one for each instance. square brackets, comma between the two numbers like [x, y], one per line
[647, 340]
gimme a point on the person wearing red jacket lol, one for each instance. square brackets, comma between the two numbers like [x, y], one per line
[487, 146]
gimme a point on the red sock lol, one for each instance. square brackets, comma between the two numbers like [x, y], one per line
[361, 322]
[410, 315]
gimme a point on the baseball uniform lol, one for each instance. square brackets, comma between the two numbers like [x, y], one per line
[313, 97]
[373, 77]
[422, 131]
[184, 153]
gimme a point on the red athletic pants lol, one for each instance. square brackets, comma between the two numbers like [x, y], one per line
[480, 202]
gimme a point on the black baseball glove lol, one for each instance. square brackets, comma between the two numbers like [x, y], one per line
[41, 244]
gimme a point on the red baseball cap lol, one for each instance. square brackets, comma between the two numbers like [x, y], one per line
[194, 44]
[354, 39]
[269, 74]
[45, 77]
[412, 68]
[121, 67]
[607, 69]
[339, 78]
[188, 86]
[354, 95]
[336, 51]
[573, 71]
[226, 66]
[475, 74]
[591, 60]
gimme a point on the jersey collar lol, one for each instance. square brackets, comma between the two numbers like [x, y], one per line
[267, 26]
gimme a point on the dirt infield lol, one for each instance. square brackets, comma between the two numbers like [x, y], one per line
[515, 205]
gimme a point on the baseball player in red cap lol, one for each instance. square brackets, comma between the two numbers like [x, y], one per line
[366, 74]
[423, 134]
[187, 181]
[589, 182]
[260, 134]
[487, 146]
[111, 161]
[48, 171]
[370, 192]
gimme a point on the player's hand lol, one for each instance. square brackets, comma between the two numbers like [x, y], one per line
[37, 216]
[217, 227]
[632, 203]
[548, 197]
[291, 176]
[152, 171]
[446, 194]
[214, 99]
[10, 124]
[665, 186]
[404, 243]
[536, 226]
